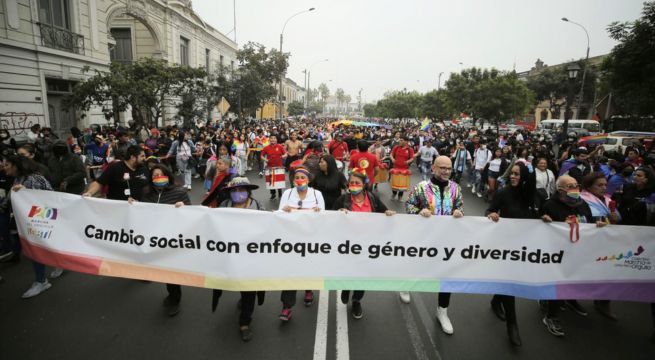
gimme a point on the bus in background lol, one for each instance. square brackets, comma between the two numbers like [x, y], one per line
[580, 127]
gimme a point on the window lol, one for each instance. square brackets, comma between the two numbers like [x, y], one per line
[207, 59]
[221, 61]
[55, 13]
[232, 64]
[122, 51]
[184, 51]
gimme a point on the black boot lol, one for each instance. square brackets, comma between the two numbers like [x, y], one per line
[513, 334]
[497, 308]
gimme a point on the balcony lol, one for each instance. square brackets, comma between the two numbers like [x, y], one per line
[61, 39]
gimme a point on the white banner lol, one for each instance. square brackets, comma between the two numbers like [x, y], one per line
[237, 249]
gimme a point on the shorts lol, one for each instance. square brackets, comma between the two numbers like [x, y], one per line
[493, 174]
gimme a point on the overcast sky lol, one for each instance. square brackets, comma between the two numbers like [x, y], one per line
[381, 45]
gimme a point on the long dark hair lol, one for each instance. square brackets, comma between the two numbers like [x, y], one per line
[24, 165]
[333, 179]
[166, 171]
[527, 186]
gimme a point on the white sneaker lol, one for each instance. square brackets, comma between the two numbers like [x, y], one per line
[468, 185]
[56, 273]
[442, 316]
[249, 168]
[36, 289]
[405, 297]
[479, 195]
[473, 190]
[196, 176]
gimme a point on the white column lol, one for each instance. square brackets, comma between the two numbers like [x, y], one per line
[93, 24]
[13, 20]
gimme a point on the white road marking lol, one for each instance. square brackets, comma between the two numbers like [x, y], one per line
[320, 340]
[343, 348]
[414, 335]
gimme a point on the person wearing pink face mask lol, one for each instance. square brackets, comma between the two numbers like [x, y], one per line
[359, 199]
[300, 197]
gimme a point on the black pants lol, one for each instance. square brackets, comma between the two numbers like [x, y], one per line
[357, 294]
[509, 305]
[400, 193]
[288, 298]
[553, 307]
[279, 192]
[174, 292]
[444, 299]
[247, 306]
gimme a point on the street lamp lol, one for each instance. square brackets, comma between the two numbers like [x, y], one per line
[281, 53]
[439, 83]
[572, 70]
[586, 62]
[307, 78]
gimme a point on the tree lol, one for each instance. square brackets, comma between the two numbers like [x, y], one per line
[341, 96]
[252, 84]
[460, 90]
[630, 67]
[553, 85]
[324, 92]
[296, 108]
[399, 104]
[371, 110]
[145, 86]
[502, 97]
[434, 104]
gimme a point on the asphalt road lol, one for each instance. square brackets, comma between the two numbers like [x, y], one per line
[91, 317]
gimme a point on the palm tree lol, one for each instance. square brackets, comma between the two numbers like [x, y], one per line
[341, 96]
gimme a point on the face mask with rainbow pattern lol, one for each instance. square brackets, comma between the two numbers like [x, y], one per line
[160, 181]
[301, 184]
[355, 189]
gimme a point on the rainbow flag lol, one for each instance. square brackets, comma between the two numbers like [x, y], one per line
[425, 124]
[235, 143]
[593, 140]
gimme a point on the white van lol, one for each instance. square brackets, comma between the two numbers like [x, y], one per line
[619, 140]
[580, 127]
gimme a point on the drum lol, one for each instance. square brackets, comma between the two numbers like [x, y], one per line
[275, 178]
[400, 179]
[382, 176]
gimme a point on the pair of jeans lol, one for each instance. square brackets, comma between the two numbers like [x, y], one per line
[357, 294]
[6, 244]
[509, 305]
[174, 292]
[288, 298]
[39, 271]
[183, 166]
[443, 299]
[426, 169]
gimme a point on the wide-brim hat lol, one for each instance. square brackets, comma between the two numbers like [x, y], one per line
[240, 182]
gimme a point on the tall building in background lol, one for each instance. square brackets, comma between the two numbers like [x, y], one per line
[45, 44]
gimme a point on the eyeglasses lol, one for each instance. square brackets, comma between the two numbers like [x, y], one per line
[570, 187]
[445, 169]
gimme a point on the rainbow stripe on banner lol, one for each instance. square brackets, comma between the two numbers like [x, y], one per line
[189, 246]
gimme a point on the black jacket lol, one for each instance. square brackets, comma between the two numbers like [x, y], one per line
[169, 195]
[345, 202]
[558, 211]
[68, 168]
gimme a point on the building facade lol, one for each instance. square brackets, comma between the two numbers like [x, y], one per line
[46, 44]
[290, 92]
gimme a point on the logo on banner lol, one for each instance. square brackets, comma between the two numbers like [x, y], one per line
[631, 259]
[39, 225]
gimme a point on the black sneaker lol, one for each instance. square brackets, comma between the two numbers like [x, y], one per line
[173, 310]
[6, 256]
[272, 197]
[553, 326]
[169, 301]
[575, 306]
[246, 334]
[356, 309]
[345, 296]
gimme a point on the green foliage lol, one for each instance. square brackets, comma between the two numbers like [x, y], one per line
[252, 84]
[502, 97]
[296, 108]
[145, 86]
[434, 105]
[630, 68]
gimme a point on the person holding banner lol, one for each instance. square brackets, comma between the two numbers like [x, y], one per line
[565, 206]
[514, 201]
[163, 190]
[359, 199]
[23, 170]
[240, 197]
[438, 196]
[124, 179]
[300, 197]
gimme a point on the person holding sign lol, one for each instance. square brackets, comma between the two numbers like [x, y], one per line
[163, 190]
[359, 199]
[514, 201]
[240, 197]
[438, 196]
[300, 197]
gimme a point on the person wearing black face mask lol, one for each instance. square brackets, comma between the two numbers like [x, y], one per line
[67, 171]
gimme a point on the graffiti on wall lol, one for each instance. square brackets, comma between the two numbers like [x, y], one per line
[19, 123]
